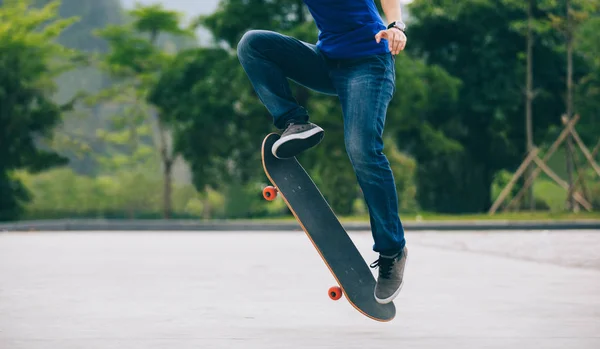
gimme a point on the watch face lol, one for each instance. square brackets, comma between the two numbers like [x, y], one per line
[401, 26]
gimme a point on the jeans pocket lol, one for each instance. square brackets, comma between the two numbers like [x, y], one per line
[387, 64]
[387, 59]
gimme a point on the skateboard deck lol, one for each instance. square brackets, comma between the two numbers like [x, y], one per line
[317, 219]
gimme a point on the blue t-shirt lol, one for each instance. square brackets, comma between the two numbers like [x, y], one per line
[347, 28]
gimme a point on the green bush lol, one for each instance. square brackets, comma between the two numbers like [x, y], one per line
[247, 201]
[61, 193]
[404, 169]
[592, 182]
[549, 196]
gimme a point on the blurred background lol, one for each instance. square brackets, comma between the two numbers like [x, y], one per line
[125, 109]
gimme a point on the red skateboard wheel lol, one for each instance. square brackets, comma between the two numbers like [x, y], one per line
[270, 193]
[335, 293]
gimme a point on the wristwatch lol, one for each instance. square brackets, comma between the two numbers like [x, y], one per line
[397, 24]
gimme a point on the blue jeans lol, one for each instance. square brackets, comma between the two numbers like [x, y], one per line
[364, 86]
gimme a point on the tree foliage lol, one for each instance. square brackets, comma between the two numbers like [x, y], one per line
[472, 42]
[135, 60]
[455, 130]
[29, 59]
[225, 122]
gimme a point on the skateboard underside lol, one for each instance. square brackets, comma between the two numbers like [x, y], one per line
[324, 230]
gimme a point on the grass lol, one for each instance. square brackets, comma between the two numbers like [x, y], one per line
[432, 217]
[513, 216]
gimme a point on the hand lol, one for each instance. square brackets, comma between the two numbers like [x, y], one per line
[395, 37]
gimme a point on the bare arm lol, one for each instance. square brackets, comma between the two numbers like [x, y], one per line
[392, 10]
[395, 37]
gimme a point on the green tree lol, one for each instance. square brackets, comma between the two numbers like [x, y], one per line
[220, 121]
[29, 60]
[566, 17]
[225, 131]
[75, 137]
[587, 97]
[135, 61]
[535, 22]
[473, 43]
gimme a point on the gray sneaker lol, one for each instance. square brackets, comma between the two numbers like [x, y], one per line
[391, 276]
[296, 138]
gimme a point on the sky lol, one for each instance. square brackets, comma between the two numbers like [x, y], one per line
[190, 7]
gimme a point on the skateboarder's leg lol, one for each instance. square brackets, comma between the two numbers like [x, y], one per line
[365, 88]
[269, 59]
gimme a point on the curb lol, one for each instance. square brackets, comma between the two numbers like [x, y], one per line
[241, 225]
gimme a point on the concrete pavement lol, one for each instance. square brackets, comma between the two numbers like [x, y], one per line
[269, 290]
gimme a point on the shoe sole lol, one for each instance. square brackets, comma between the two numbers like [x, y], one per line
[293, 145]
[393, 296]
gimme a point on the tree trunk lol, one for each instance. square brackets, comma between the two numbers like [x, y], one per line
[300, 11]
[529, 99]
[572, 205]
[167, 158]
[167, 187]
[206, 208]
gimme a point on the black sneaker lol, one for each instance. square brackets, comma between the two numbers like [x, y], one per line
[391, 272]
[296, 138]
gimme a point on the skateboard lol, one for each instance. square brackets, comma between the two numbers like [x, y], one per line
[330, 239]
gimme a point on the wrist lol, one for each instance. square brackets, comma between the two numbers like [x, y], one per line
[398, 25]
